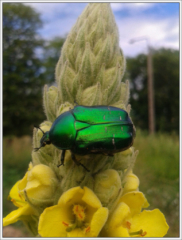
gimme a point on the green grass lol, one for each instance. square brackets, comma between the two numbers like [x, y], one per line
[157, 167]
[16, 157]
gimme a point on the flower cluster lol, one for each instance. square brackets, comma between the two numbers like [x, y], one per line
[69, 201]
[79, 212]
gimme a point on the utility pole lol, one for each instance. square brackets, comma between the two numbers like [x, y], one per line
[151, 112]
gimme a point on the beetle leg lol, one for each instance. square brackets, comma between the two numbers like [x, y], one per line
[62, 158]
[110, 154]
[78, 163]
[75, 102]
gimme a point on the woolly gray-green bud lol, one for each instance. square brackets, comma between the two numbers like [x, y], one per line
[91, 64]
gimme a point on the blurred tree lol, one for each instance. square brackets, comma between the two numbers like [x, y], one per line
[51, 54]
[166, 89]
[136, 72]
[166, 75]
[22, 81]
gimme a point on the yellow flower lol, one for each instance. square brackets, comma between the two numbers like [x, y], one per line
[131, 183]
[79, 213]
[23, 207]
[39, 183]
[127, 219]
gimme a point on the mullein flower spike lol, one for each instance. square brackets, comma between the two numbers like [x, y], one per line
[105, 201]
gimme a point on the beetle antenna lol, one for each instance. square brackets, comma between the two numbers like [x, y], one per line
[39, 128]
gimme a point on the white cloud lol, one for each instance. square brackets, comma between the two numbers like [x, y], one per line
[131, 6]
[59, 18]
[160, 32]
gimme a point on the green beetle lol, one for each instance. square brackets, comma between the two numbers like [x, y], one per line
[96, 129]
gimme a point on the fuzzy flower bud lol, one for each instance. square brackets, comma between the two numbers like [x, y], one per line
[91, 64]
[50, 102]
[107, 186]
[38, 185]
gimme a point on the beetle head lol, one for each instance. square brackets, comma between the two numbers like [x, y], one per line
[44, 140]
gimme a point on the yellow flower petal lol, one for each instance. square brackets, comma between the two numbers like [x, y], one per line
[16, 198]
[90, 198]
[71, 195]
[15, 215]
[76, 233]
[152, 222]
[135, 200]
[113, 227]
[119, 232]
[131, 183]
[41, 173]
[53, 221]
[30, 166]
[98, 221]
[23, 182]
[120, 213]
[39, 183]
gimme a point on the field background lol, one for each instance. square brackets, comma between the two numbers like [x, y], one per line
[157, 167]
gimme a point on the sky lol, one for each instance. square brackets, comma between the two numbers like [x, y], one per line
[158, 21]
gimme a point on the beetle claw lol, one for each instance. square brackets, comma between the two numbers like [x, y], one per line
[78, 163]
[60, 165]
[84, 167]
[75, 102]
[36, 149]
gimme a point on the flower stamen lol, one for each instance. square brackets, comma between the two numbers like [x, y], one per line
[143, 234]
[140, 233]
[128, 225]
[13, 200]
[20, 196]
[87, 229]
[78, 210]
[65, 224]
